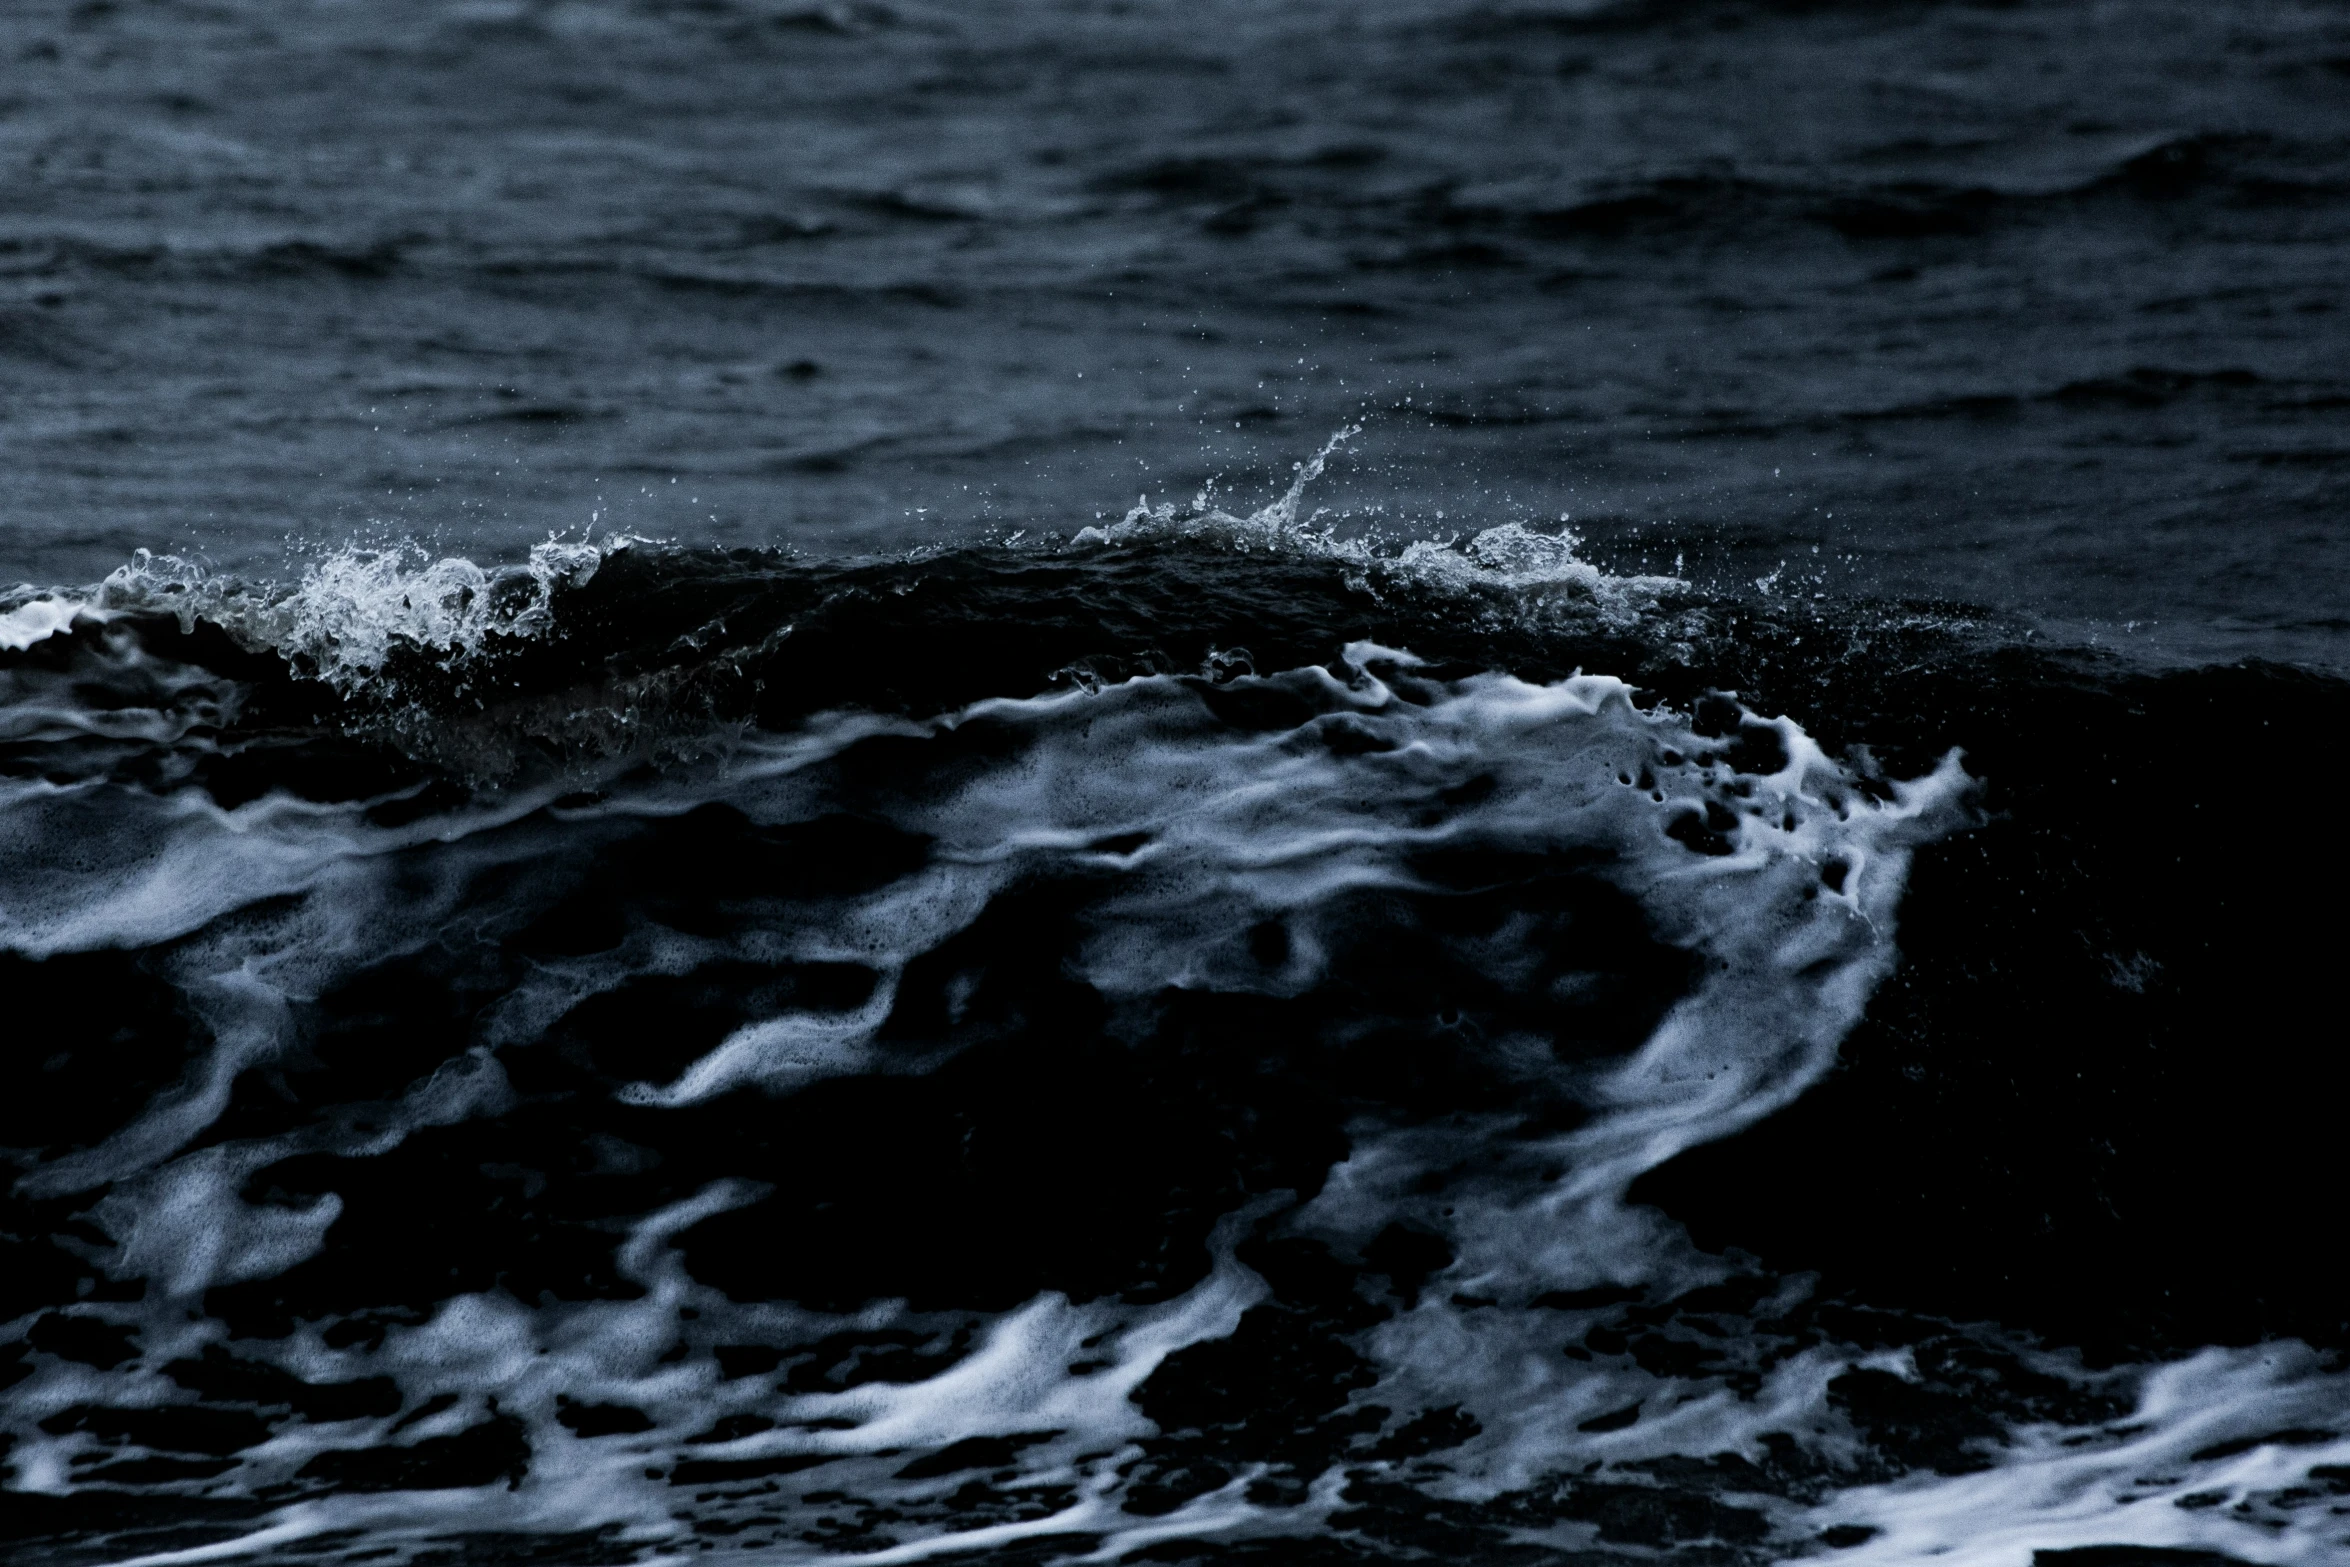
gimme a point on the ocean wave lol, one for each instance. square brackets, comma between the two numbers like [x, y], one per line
[1249, 842]
[1194, 1038]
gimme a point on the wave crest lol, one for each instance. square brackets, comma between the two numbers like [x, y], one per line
[344, 619]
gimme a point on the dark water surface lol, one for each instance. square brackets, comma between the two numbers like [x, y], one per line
[1672, 896]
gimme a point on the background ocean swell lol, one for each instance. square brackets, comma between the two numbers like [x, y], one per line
[1203, 1042]
[2030, 304]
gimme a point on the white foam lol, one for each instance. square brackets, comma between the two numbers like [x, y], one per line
[354, 607]
[351, 608]
[780, 1053]
[184, 1228]
[2140, 1483]
[1538, 575]
[38, 617]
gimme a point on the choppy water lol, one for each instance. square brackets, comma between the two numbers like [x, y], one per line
[1709, 940]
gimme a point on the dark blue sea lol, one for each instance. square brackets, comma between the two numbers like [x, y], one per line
[1274, 784]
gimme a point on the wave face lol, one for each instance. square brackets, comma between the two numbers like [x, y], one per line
[1200, 1043]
